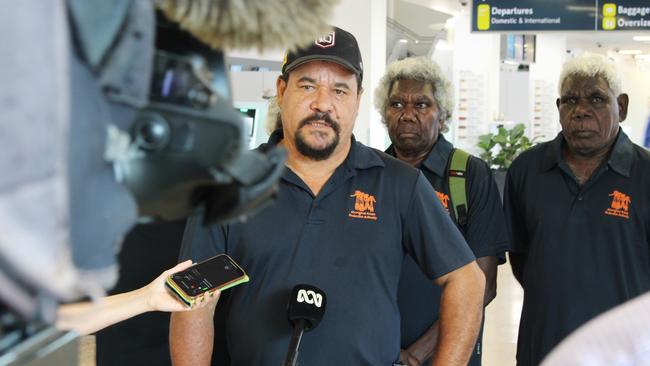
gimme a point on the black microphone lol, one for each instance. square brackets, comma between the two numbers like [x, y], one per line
[306, 309]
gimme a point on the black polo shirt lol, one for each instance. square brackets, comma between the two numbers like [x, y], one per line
[587, 247]
[350, 241]
[486, 234]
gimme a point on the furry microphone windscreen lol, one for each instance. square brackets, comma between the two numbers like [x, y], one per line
[245, 24]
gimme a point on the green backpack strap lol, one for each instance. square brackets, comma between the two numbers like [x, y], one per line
[457, 186]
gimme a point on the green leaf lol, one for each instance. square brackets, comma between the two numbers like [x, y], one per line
[501, 139]
[511, 142]
[517, 131]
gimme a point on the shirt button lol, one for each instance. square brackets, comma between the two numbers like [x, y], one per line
[579, 198]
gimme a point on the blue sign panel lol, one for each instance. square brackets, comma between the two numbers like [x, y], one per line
[624, 15]
[548, 15]
[532, 15]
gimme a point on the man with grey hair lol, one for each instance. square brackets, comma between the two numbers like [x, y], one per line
[577, 209]
[415, 101]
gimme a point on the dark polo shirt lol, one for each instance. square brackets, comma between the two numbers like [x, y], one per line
[486, 234]
[350, 241]
[587, 246]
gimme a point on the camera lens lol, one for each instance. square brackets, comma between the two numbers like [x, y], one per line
[152, 131]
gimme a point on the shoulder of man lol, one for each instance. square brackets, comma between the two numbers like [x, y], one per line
[530, 158]
[642, 153]
[392, 164]
[476, 166]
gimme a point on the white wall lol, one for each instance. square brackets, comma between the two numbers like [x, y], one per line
[366, 19]
[636, 83]
[250, 86]
[515, 97]
[550, 54]
[476, 75]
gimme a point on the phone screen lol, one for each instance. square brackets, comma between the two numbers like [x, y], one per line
[213, 273]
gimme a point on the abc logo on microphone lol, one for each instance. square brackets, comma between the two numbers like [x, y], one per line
[310, 297]
[306, 306]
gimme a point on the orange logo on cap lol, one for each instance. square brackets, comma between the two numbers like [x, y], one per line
[364, 206]
[620, 205]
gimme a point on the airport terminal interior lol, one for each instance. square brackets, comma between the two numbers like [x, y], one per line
[502, 75]
[500, 78]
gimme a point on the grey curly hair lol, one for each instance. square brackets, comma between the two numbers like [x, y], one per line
[273, 121]
[417, 68]
[592, 65]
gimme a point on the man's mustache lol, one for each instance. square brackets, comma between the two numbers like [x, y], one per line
[324, 117]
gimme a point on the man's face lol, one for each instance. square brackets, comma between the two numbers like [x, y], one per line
[319, 104]
[590, 114]
[412, 116]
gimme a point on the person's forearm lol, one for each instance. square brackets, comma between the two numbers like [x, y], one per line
[90, 317]
[191, 337]
[461, 310]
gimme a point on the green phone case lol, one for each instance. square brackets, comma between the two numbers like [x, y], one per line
[189, 300]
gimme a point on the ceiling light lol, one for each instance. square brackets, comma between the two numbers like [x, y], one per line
[443, 45]
[403, 40]
[641, 38]
[630, 52]
[642, 57]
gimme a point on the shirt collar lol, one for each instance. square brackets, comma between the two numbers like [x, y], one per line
[553, 155]
[620, 159]
[436, 160]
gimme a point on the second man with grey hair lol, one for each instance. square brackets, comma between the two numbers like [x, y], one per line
[415, 101]
[577, 209]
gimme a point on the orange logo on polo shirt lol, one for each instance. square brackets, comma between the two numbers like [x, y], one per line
[444, 199]
[364, 206]
[620, 205]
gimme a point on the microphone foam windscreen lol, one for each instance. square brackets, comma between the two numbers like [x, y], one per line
[243, 24]
[307, 303]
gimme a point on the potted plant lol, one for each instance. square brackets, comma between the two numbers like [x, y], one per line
[501, 148]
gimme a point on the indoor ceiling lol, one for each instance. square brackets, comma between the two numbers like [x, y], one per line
[603, 41]
[423, 21]
[420, 19]
[415, 25]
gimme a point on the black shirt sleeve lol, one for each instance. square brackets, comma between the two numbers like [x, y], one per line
[430, 236]
[486, 231]
[513, 211]
[201, 242]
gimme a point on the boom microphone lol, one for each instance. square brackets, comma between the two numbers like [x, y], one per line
[263, 24]
[306, 309]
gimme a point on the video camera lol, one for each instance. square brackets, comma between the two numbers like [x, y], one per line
[114, 115]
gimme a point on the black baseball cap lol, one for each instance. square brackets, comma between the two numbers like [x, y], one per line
[337, 46]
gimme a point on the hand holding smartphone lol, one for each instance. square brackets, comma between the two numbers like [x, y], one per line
[217, 273]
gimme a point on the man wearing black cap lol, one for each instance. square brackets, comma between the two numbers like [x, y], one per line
[345, 218]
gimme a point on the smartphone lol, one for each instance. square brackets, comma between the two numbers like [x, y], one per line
[219, 272]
